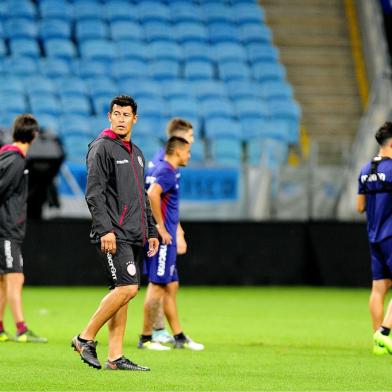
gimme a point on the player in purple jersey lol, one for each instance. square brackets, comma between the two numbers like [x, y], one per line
[162, 271]
[375, 197]
[181, 128]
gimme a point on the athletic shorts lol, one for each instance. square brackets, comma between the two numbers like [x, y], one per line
[11, 259]
[122, 268]
[161, 268]
[381, 259]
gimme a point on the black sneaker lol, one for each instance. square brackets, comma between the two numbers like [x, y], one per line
[87, 351]
[124, 364]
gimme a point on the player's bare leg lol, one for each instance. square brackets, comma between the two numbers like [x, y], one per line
[170, 307]
[160, 320]
[110, 304]
[376, 301]
[3, 302]
[14, 285]
[116, 333]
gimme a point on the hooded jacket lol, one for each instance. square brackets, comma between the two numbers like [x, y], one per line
[115, 191]
[13, 193]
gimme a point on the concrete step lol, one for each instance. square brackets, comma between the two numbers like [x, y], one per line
[345, 89]
[306, 75]
[304, 20]
[301, 3]
[284, 38]
[315, 11]
[333, 103]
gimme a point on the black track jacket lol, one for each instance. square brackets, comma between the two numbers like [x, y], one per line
[13, 193]
[115, 191]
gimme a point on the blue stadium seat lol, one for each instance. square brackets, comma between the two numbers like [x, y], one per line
[234, 70]
[183, 107]
[238, 89]
[101, 103]
[55, 67]
[49, 123]
[45, 104]
[54, 28]
[276, 89]
[88, 10]
[223, 127]
[223, 32]
[185, 12]
[24, 47]
[198, 70]
[254, 127]
[23, 67]
[198, 155]
[13, 103]
[226, 151]
[255, 33]
[149, 11]
[148, 144]
[270, 152]
[76, 146]
[87, 68]
[56, 10]
[132, 50]
[197, 51]
[6, 119]
[2, 32]
[146, 88]
[164, 69]
[102, 86]
[191, 32]
[62, 48]
[22, 9]
[245, 13]
[229, 51]
[262, 53]
[91, 29]
[166, 50]
[175, 89]
[127, 30]
[74, 124]
[251, 108]
[75, 105]
[158, 31]
[217, 12]
[102, 50]
[98, 124]
[152, 107]
[217, 108]
[204, 89]
[11, 84]
[39, 84]
[120, 10]
[4, 12]
[148, 126]
[127, 68]
[263, 71]
[20, 28]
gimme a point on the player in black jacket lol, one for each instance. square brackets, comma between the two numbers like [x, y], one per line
[13, 205]
[121, 225]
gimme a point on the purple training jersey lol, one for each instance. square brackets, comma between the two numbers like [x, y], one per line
[166, 176]
[375, 182]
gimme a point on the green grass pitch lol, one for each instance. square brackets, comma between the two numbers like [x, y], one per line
[267, 339]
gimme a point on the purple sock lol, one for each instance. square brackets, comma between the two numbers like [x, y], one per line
[21, 327]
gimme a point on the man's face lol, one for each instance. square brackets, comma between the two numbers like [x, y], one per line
[184, 154]
[122, 119]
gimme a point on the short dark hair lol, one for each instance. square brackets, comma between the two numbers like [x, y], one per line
[124, 100]
[25, 128]
[177, 126]
[173, 143]
[384, 133]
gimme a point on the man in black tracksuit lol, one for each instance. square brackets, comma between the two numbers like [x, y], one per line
[13, 206]
[122, 223]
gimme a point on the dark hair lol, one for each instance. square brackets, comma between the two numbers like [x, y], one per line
[124, 100]
[25, 128]
[177, 126]
[173, 143]
[384, 133]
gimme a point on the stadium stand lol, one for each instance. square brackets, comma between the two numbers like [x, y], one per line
[212, 62]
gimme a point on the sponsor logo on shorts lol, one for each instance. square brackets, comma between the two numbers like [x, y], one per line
[111, 265]
[8, 255]
[162, 260]
[131, 268]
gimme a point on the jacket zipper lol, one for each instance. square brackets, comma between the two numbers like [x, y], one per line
[140, 196]
[124, 211]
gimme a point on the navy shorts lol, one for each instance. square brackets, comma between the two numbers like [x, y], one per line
[381, 258]
[122, 268]
[162, 268]
[11, 259]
